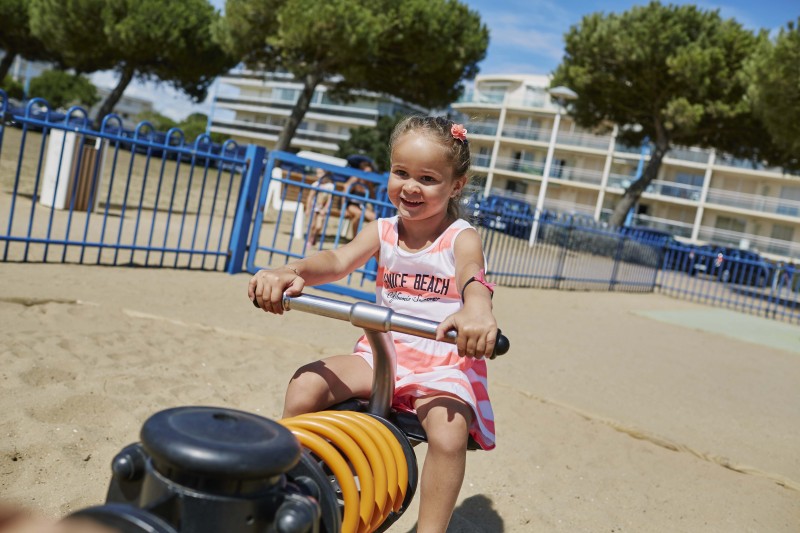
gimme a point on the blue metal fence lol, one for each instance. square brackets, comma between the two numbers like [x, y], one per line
[73, 194]
[116, 197]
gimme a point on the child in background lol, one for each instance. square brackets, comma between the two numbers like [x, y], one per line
[431, 265]
[318, 204]
[357, 208]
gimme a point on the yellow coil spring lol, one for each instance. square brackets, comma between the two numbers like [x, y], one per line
[342, 439]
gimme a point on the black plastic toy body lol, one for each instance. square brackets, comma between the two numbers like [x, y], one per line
[219, 470]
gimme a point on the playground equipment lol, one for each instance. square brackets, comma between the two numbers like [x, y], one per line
[350, 469]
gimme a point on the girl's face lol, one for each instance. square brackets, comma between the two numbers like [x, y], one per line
[421, 181]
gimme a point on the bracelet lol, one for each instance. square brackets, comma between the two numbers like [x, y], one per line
[480, 278]
[293, 269]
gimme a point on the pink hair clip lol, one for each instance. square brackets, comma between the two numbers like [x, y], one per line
[480, 278]
[458, 131]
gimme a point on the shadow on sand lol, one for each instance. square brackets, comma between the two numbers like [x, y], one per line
[474, 515]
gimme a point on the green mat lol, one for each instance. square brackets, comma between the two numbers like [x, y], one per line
[741, 326]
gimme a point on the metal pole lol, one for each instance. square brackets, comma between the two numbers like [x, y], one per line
[545, 176]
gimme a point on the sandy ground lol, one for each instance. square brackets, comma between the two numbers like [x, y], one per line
[608, 419]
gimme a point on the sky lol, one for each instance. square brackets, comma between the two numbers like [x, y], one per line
[526, 37]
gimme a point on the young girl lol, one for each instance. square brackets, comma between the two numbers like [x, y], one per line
[430, 265]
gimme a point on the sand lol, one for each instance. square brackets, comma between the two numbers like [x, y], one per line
[608, 419]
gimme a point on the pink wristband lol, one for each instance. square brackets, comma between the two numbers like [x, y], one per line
[480, 278]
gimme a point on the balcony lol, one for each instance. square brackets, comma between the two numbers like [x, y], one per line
[519, 165]
[687, 154]
[754, 202]
[481, 160]
[746, 164]
[526, 133]
[660, 187]
[583, 175]
[482, 128]
[585, 140]
[471, 96]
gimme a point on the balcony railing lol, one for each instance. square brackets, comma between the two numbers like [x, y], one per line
[520, 165]
[754, 202]
[586, 140]
[687, 154]
[728, 161]
[583, 175]
[482, 128]
[527, 133]
[660, 187]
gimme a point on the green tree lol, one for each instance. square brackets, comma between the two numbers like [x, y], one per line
[195, 125]
[16, 38]
[775, 89]
[157, 120]
[12, 88]
[672, 75]
[166, 41]
[417, 50]
[371, 141]
[62, 89]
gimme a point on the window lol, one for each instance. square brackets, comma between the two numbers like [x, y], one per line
[494, 93]
[535, 96]
[792, 206]
[782, 233]
[516, 187]
[736, 225]
[288, 95]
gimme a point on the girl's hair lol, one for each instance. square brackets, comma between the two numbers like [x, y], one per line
[439, 129]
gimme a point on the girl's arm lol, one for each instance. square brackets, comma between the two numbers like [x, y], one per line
[474, 322]
[266, 287]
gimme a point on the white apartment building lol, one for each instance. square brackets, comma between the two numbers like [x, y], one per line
[256, 105]
[700, 196]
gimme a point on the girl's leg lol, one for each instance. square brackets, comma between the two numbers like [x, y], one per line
[318, 385]
[446, 420]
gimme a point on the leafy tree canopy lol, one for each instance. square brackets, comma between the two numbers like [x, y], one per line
[161, 40]
[371, 141]
[16, 37]
[670, 74]
[775, 90]
[62, 89]
[418, 50]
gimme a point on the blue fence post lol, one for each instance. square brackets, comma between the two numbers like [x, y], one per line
[255, 157]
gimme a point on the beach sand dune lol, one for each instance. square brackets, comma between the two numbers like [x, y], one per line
[608, 419]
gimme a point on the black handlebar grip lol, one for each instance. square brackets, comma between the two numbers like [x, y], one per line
[501, 344]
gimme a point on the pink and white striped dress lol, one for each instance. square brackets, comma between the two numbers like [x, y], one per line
[423, 284]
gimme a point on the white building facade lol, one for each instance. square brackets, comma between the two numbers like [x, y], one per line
[700, 196]
[256, 106]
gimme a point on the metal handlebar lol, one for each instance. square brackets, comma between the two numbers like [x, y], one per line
[377, 321]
